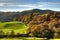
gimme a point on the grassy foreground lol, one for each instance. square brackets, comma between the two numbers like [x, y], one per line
[30, 38]
[17, 27]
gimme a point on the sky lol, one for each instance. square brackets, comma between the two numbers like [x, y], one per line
[21, 5]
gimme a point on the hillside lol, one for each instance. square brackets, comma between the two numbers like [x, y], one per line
[10, 16]
[40, 22]
[49, 23]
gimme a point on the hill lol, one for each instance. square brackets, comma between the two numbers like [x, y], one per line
[40, 22]
[10, 16]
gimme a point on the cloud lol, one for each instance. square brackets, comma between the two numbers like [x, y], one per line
[38, 4]
[9, 3]
[1, 4]
[47, 3]
[21, 5]
[24, 6]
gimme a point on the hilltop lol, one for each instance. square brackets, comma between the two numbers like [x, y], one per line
[10, 16]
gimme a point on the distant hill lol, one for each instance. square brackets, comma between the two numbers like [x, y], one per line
[16, 16]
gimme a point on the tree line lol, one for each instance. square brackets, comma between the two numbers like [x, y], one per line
[12, 34]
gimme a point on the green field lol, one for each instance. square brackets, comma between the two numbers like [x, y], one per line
[22, 38]
[33, 38]
[15, 26]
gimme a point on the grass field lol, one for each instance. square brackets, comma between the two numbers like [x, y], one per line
[15, 26]
[33, 38]
[21, 39]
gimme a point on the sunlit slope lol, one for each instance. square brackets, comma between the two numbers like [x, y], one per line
[15, 26]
